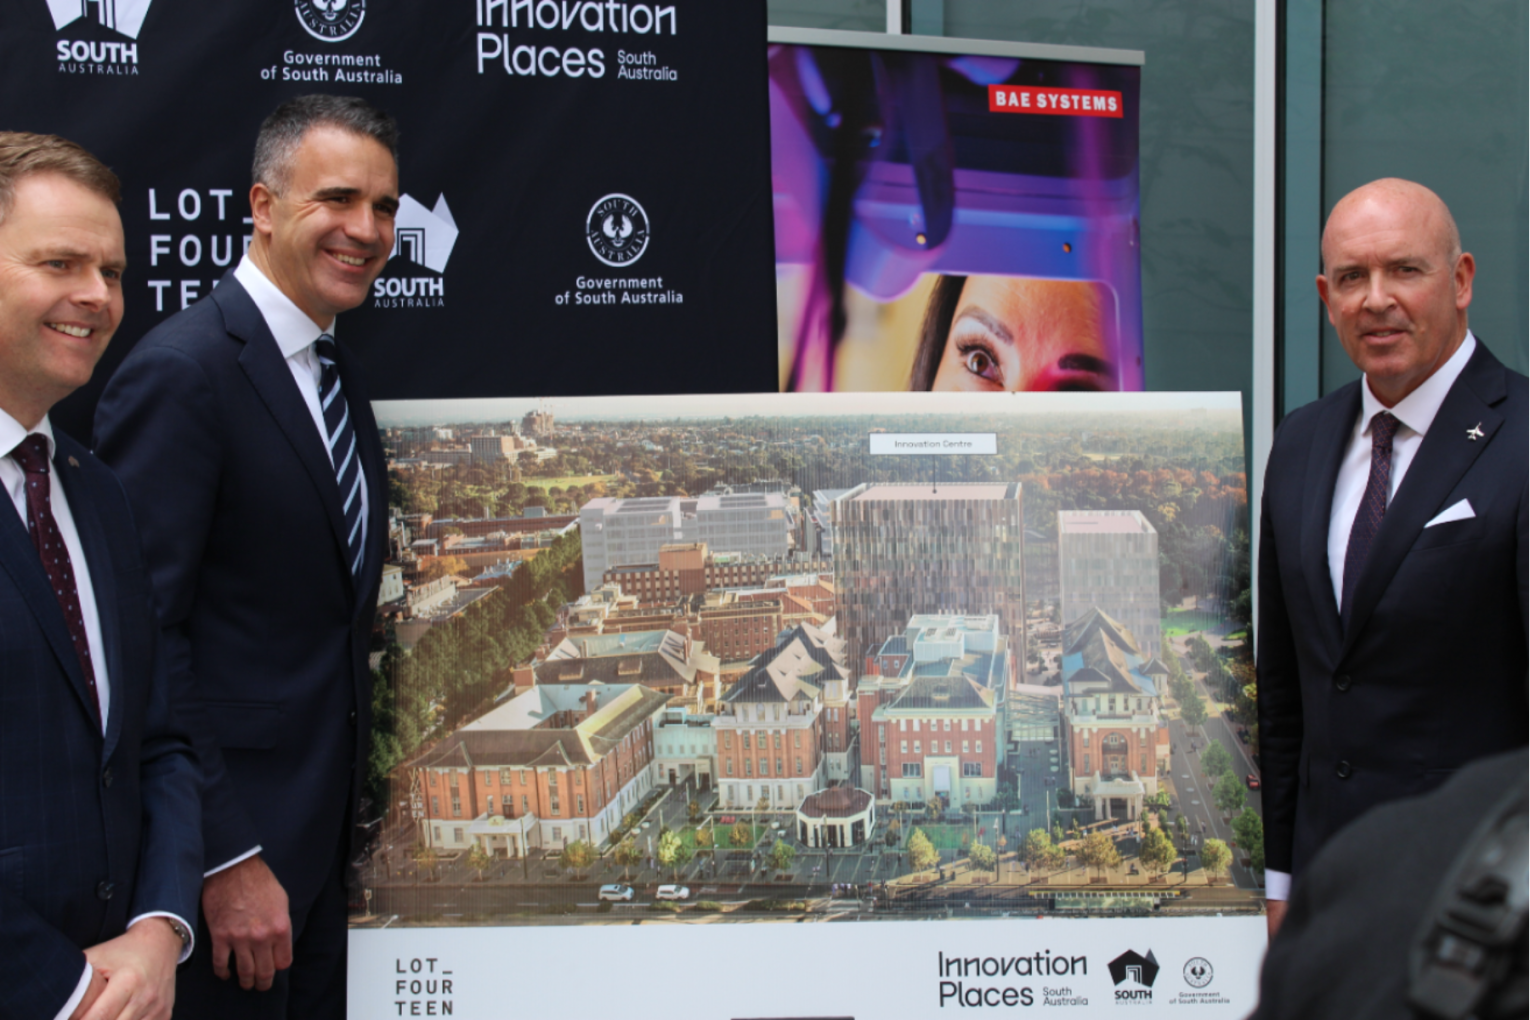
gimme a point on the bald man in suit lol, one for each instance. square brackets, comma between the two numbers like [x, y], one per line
[1392, 552]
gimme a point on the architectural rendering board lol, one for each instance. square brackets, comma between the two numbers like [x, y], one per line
[928, 665]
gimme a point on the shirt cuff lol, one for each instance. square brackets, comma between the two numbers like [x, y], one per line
[191, 930]
[230, 863]
[79, 993]
[1277, 885]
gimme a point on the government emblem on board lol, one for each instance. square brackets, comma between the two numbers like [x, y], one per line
[331, 20]
[617, 229]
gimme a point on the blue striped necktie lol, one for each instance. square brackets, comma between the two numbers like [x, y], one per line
[340, 434]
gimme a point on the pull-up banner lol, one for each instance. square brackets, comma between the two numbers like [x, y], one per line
[585, 185]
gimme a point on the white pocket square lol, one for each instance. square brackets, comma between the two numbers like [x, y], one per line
[1461, 511]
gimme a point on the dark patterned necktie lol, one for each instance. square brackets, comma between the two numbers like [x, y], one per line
[340, 433]
[1373, 505]
[32, 455]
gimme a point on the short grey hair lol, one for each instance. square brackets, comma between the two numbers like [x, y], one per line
[283, 131]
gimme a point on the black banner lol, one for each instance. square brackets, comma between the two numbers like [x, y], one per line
[586, 192]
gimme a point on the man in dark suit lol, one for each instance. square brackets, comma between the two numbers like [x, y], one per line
[100, 843]
[1392, 551]
[244, 437]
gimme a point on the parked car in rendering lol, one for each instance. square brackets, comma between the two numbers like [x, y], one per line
[616, 891]
[1253, 781]
[674, 892]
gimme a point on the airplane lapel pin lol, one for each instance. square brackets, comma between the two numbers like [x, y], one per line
[1475, 432]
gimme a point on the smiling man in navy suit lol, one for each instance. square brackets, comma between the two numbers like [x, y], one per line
[243, 434]
[1392, 551]
[100, 841]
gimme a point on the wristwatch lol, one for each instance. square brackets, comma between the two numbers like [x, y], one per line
[181, 932]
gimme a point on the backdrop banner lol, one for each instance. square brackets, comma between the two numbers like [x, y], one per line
[954, 214]
[585, 207]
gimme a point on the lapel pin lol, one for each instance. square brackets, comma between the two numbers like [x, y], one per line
[1475, 432]
[73, 462]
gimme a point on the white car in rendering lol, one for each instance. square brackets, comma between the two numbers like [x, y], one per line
[616, 891]
[674, 892]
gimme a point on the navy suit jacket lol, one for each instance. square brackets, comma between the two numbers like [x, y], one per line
[266, 631]
[94, 830]
[1431, 671]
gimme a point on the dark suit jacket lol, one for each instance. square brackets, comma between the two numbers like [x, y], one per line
[266, 632]
[1431, 671]
[1343, 950]
[94, 830]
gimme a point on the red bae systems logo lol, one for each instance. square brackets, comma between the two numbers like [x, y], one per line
[1064, 102]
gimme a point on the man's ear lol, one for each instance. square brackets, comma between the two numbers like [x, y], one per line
[261, 200]
[1322, 287]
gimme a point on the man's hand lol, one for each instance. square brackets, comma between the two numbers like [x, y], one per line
[138, 968]
[1274, 913]
[246, 909]
[93, 992]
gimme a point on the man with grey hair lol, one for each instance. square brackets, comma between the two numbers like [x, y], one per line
[1392, 551]
[243, 434]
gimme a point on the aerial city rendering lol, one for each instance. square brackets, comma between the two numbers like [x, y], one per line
[686, 660]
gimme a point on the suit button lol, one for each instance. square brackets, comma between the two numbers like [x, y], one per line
[104, 891]
[106, 777]
[1343, 770]
[353, 718]
[1342, 681]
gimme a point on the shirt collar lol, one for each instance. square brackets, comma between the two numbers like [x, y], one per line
[12, 432]
[290, 325]
[1417, 409]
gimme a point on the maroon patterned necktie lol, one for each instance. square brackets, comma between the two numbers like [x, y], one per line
[1373, 505]
[32, 455]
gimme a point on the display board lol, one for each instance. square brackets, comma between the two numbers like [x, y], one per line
[954, 214]
[585, 189]
[665, 678]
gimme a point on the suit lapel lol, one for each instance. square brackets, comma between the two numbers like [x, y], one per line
[103, 583]
[18, 558]
[1323, 461]
[263, 364]
[1443, 458]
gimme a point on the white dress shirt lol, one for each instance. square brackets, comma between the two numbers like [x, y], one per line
[295, 335]
[1414, 413]
[13, 478]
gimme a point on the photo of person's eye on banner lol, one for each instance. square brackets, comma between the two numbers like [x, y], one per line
[959, 220]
